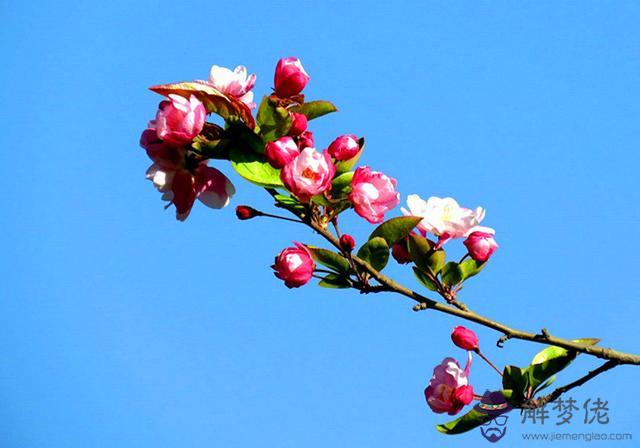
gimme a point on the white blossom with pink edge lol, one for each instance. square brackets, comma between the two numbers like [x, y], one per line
[444, 218]
[236, 83]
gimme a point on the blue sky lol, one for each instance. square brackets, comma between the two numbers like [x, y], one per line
[123, 327]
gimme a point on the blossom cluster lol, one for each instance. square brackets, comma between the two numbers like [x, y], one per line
[275, 148]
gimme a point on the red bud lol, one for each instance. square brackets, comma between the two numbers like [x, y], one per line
[245, 212]
[347, 243]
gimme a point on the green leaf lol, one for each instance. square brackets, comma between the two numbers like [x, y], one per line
[274, 120]
[549, 361]
[467, 422]
[420, 251]
[451, 273]
[254, 168]
[436, 261]
[375, 252]
[515, 379]
[214, 101]
[330, 259]
[548, 353]
[470, 268]
[315, 109]
[395, 229]
[341, 185]
[334, 281]
[424, 279]
[546, 384]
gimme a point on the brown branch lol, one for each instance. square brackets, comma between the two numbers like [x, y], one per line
[541, 401]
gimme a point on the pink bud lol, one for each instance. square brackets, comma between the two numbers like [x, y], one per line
[400, 252]
[290, 77]
[344, 147]
[298, 124]
[281, 152]
[347, 243]
[462, 396]
[373, 194]
[305, 140]
[464, 338]
[244, 212]
[481, 245]
[294, 265]
[180, 120]
[308, 174]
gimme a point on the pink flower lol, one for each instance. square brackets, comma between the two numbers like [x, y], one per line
[299, 124]
[234, 83]
[281, 152]
[305, 140]
[449, 390]
[373, 194]
[464, 338]
[290, 77]
[308, 174]
[344, 147]
[481, 245]
[294, 265]
[443, 217]
[179, 120]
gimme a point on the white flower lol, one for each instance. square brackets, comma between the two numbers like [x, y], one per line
[234, 83]
[444, 218]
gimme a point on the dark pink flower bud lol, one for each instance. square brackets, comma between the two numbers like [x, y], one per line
[180, 120]
[464, 338]
[298, 124]
[305, 140]
[344, 147]
[294, 265]
[244, 212]
[400, 252]
[290, 77]
[481, 245]
[281, 152]
[347, 243]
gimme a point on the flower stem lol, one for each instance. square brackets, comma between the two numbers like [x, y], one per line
[480, 354]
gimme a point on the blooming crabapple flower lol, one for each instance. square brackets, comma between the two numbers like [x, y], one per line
[443, 217]
[373, 194]
[165, 155]
[234, 83]
[299, 124]
[294, 265]
[179, 120]
[481, 245]
[449, 390]
[305, 140]
[309, 174]
[344, 147]
[290, 77]
[464, 338]
[347, 243]
[182, 187]
[281, 152]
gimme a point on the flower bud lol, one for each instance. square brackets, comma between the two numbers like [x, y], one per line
[180, 120]
[281, 152]
[294, 265]
[373, 194]
[464, 338]
[344, 147]
[305, 140]
[481, 245]
[347, 243]
[244, 212]
[298, 124]
[290, 77]
[400, 251]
